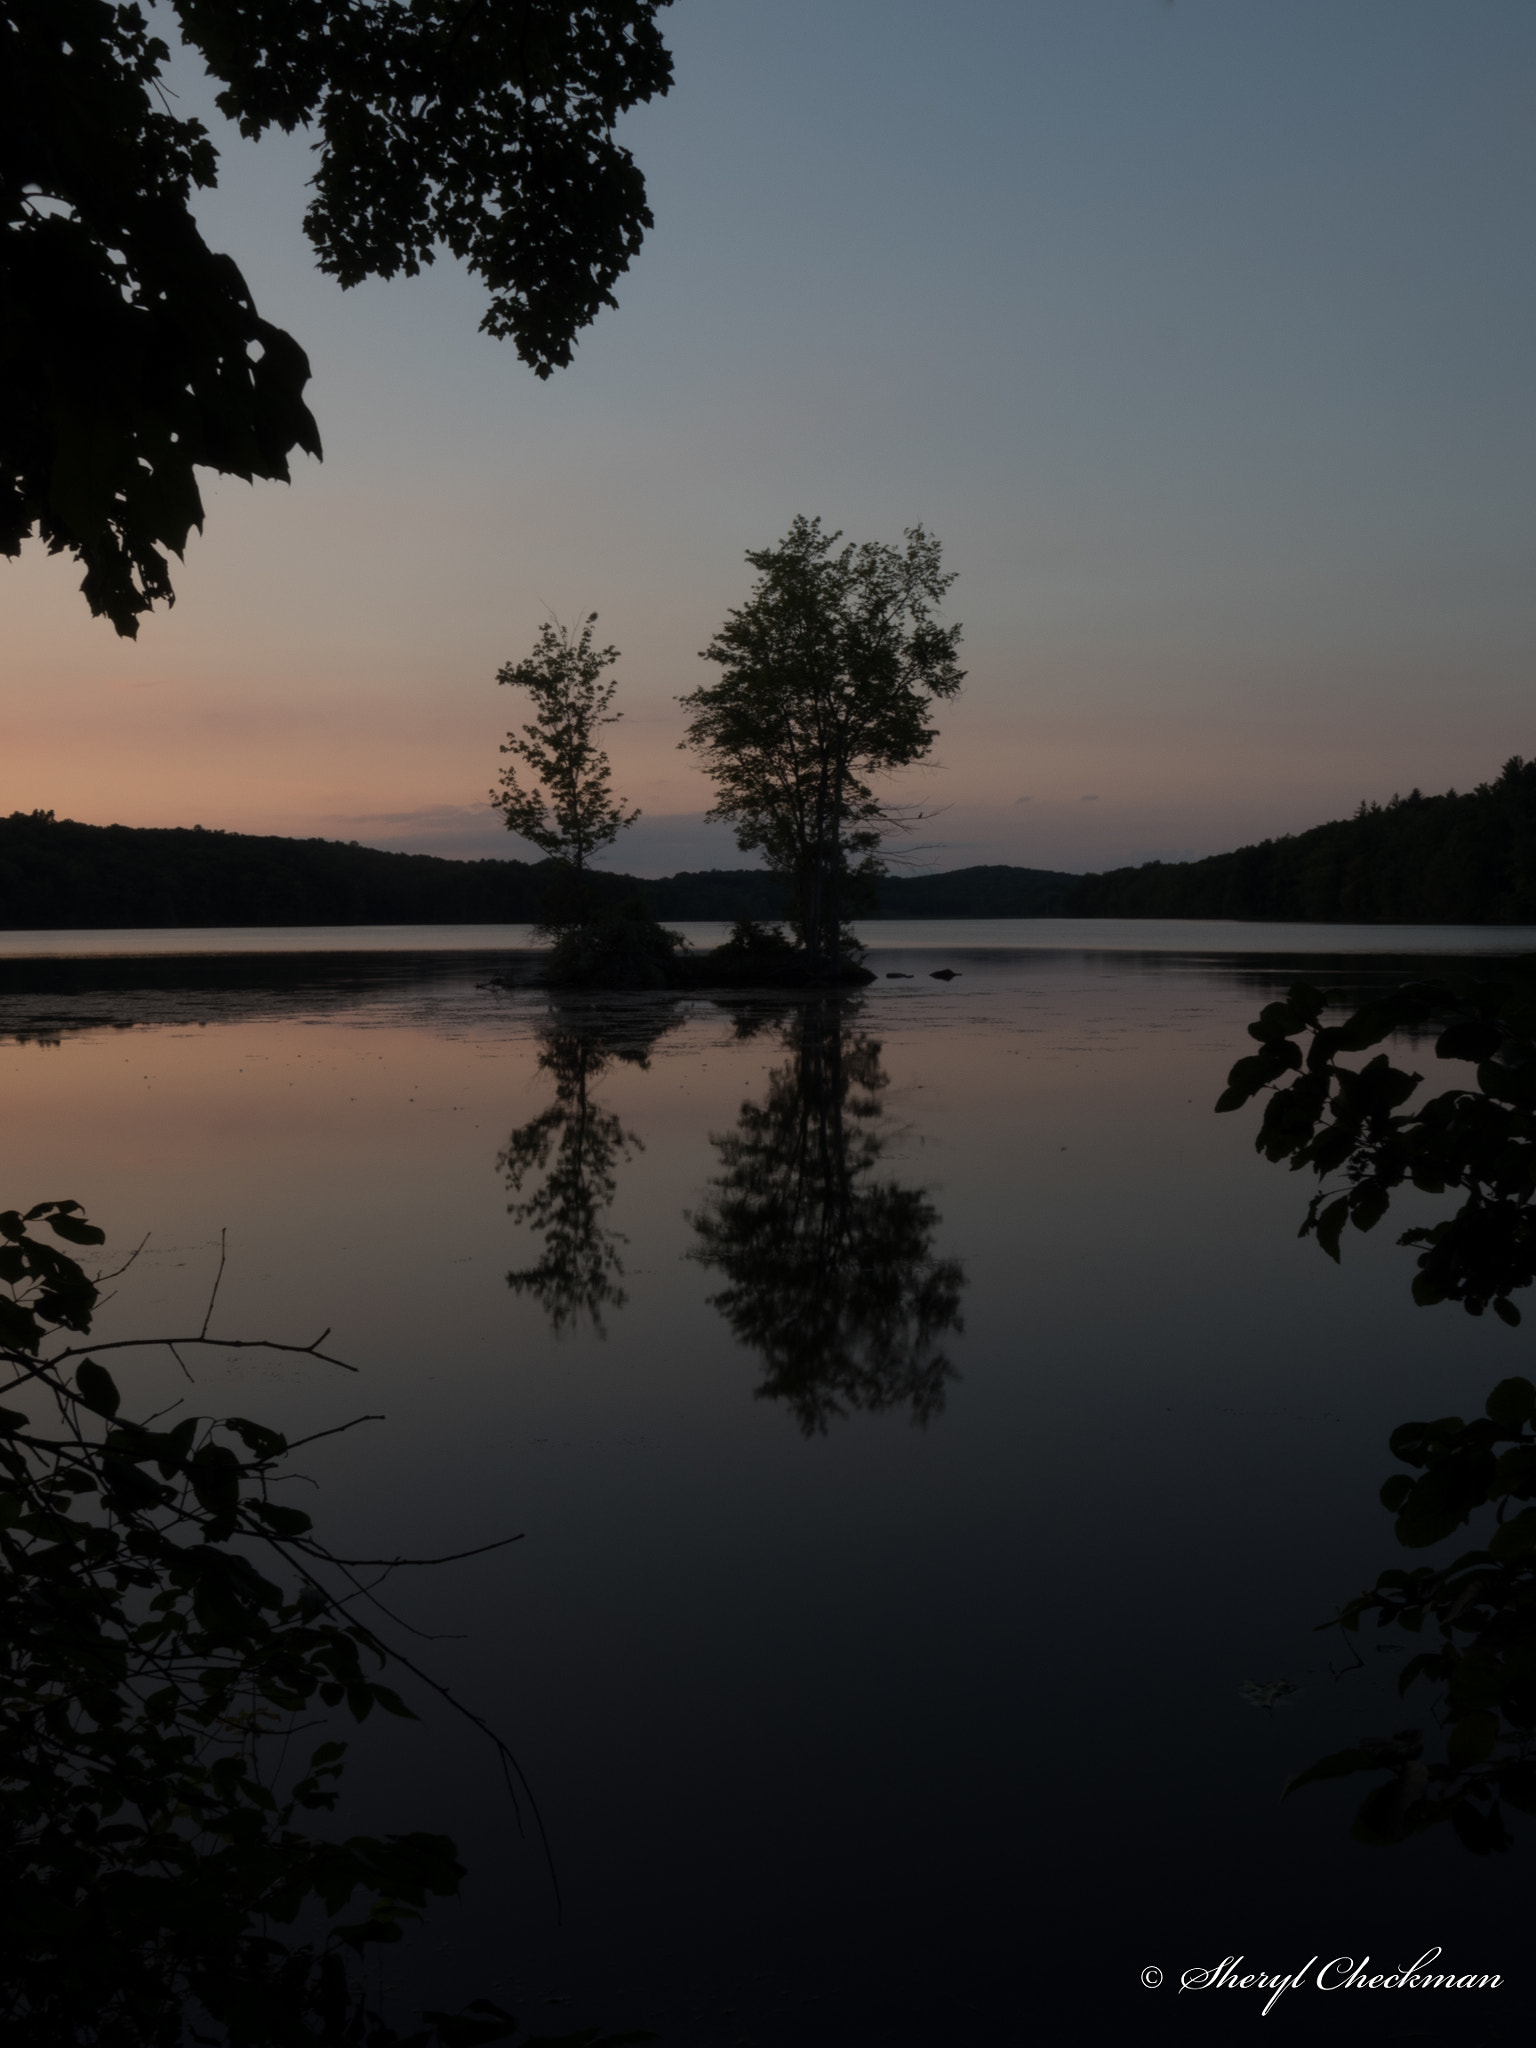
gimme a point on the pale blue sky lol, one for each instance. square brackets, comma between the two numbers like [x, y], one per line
[1201, 334]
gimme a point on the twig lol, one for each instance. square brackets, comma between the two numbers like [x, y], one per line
[509, 1762]
[118, 1271]
[453, 1557]
[299, 1442]
[213, 1297]
[217, 1343]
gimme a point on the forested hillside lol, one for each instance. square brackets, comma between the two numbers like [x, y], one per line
[1449, 859]
[1417, 860]
[61, 876]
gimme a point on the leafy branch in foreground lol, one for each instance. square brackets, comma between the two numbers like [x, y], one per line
[1480, 1613]
[1479, 1610]
[132, 355]
[1353, 1124]
[169, 1629]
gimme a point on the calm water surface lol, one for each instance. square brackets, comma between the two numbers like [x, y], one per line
[921, 1417]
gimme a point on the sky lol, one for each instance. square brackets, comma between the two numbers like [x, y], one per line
[1202, 333]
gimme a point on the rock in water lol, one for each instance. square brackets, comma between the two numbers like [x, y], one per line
[895, 974]
[944, 974]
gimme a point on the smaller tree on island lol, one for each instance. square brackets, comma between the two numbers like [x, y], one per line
[568, 809]
[828, 677]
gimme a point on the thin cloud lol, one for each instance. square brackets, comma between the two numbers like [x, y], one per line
[429, 816]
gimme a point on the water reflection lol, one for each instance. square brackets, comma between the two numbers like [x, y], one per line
[568, 1157]
[828, 1265]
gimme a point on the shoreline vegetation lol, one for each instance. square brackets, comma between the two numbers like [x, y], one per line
[1451, 859]
[63, 876]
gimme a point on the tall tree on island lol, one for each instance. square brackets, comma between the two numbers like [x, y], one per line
[567, 808]
[829, 673]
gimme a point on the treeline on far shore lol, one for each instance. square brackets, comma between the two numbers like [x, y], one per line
[1468, 859]
[56, 875]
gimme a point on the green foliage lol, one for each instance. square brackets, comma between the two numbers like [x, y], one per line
[619, 946]
[828, 677]
[1351, 1125]
[828, 1264]
[757, 942]
[1468, 859]
[131, 353]
[168, 1627]
[1476, 1617]
[574, 814]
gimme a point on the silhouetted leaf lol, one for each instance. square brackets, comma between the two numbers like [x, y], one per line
[478, 2024]
[1343, 1763]
[1516, 1780]
[1381, 1820]
[1472, 1738]
[1329, 1226]
[98, 1389]
[280, 1520]
[257, 1438]
[1513, 1401]
[1483, 1833]
[75, 1230]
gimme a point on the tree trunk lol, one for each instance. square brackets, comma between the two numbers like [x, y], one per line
[812, 916]
[834, 846]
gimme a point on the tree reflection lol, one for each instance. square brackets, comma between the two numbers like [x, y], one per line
[829, 1266]
[568, 1158]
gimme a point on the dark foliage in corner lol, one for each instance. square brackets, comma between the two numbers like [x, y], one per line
[131, 353]
[1479, 1614]
[1354, 1127]
[168, 1626]
[1468, 859]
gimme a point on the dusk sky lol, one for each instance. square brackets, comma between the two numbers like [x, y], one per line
[1202, 334]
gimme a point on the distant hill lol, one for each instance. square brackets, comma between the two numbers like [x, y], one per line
[1417, 860]
[1449, 859]
[68, 877]
[56, 875]
[967, 892]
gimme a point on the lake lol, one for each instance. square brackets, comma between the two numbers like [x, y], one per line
[920, 1416]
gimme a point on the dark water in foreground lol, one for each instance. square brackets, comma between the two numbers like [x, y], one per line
[922, 1419]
